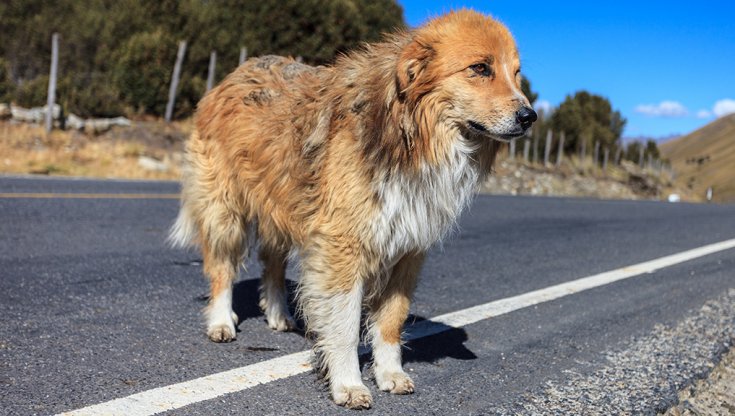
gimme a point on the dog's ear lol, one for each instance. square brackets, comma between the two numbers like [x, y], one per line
[412, 63]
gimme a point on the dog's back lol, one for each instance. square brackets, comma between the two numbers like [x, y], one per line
[244, 158]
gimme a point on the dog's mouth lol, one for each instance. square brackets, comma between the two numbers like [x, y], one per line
[479, 128]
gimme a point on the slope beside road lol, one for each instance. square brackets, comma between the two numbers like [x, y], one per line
[97, 308]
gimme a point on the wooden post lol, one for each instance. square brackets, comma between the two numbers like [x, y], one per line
[618, 155]
[547, 149]
[583, 149]
[243, 55]
[640, 157]
[526, 145]
[175, 81]
[512, 149]
[299, 59]
[560, 150]
[605, 156]
[51, 97]
[597, 153]
[212, 67]
[650, 161]
[535, 149]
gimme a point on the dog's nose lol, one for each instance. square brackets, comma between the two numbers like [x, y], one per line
[525, 116]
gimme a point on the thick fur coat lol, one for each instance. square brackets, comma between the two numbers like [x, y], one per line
[359, 167]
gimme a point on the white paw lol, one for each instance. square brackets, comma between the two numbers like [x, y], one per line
[222, 330]
[394, 382]
[352, 397]
[221, 333]
[278, 316]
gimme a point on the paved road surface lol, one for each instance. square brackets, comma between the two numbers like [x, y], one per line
[95, 307]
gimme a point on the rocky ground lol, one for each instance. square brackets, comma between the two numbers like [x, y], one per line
[714, 395]
[582, 179]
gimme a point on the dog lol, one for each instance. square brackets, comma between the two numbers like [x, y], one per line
[359, 167]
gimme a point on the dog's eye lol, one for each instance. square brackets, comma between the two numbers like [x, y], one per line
[481, 69]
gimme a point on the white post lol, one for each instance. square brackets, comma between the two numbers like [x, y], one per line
[605, 156]
[560, 151]
[243, 55]
[583, 149]
[51, 97]
[640, 156]
[618, 154]
[512, 150]
[547, 149]
[175, 81]
[597, 153]
[212, 67]
[526, 145]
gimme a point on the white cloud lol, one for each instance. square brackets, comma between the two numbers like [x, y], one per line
[663, 109]
[704, 113]
[724, 107]
[543, 105]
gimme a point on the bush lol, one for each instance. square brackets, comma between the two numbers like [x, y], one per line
[142, 72]
[33, 93]
[6, 86]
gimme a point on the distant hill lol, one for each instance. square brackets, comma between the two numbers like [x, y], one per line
[706, 157]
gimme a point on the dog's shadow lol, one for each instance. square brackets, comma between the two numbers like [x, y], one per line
[448, 342]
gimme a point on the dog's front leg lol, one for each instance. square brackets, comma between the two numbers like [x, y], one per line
[330, 298]
[388, 312]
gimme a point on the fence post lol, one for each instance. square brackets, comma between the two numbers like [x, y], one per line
[605, 156]
[547, 148]
[618, 154]
[560, 151]
[597, 153]
[512, 150]
[212, 67]
[526, 145]
[51, 97]
[535, 149]
[583, 150]
[175, 81]
[243, 55]
[640, 157]
[650, 161]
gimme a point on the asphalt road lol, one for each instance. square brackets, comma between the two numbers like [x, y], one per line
[95, 307]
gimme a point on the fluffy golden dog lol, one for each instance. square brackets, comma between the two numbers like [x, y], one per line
[359, 167]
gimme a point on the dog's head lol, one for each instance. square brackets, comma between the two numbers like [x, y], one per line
[468, 65]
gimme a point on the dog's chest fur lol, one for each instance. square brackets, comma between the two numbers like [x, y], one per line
[417, 210]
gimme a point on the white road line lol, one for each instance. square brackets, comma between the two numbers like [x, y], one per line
[178, 395]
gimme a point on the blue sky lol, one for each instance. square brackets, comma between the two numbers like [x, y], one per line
[668, 66]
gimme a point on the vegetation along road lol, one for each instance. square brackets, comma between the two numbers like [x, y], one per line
[534, 306]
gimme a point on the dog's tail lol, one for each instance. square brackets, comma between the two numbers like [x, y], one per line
[184, 231]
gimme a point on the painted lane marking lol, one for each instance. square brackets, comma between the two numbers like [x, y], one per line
[178, 395]
[42, 195]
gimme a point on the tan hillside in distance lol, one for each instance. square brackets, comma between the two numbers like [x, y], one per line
[704, 158]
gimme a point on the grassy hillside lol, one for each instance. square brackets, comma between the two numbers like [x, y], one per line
[706, 157]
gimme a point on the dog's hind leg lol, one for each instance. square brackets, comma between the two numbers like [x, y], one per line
[330, 299]
[222, 247]
[273, 300]
[387, 313]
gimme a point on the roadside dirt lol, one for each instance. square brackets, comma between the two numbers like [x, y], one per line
[712, 396]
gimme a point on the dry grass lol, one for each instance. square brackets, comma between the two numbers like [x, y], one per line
[28, 149]
[706, 158]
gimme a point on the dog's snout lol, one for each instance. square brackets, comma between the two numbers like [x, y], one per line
[525, 116]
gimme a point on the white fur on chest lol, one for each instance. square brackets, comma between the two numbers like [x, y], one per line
[418, 210]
